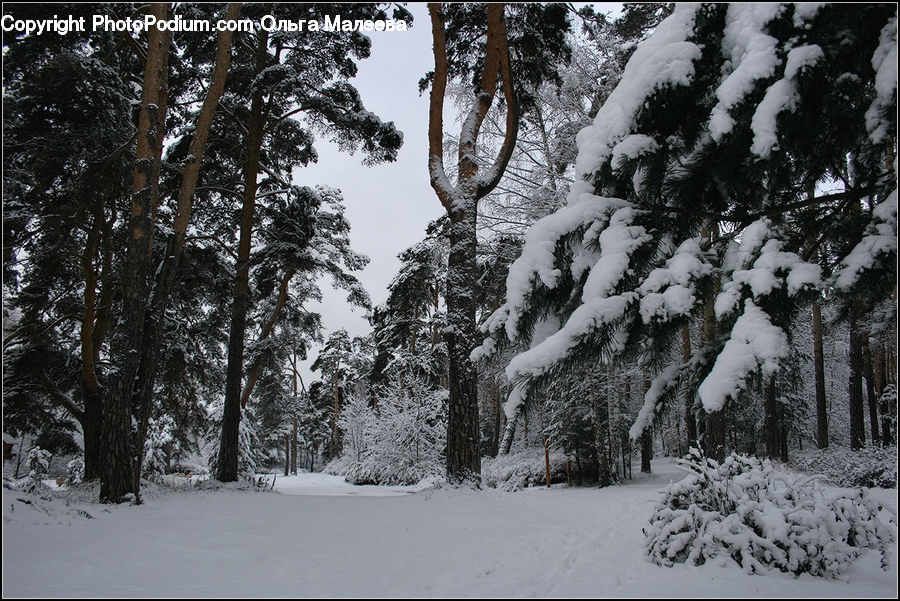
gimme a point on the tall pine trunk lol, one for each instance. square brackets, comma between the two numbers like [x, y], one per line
[773, 439]
[690, 417]
[819, 360]
[154, 323]
[869, 373]
[857, 418]
[600, 418]
[463, 448]
[461, 203]
[240, 304]
[118, 479]
[646, 440]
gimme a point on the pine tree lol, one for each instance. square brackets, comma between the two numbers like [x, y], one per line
[716, 97]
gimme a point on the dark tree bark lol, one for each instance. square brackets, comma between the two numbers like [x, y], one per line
[228, 449]
[690, 418]
[714, 427]
[870, 394]
[155, 317]
[461, 203]
[646, 440]
[773, 440]
[600, 415]
[857, 418]
[294, 448]
[118, 479]
[819, 360]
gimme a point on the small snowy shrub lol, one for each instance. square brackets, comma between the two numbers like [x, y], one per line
[75, 471]
[841, 466]
[399, 441]
[516, 471]
[759, 517]
[160, 434]
[39, 464]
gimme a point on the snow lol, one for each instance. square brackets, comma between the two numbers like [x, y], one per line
[752, 57]
[781, 95]
[755, 343]
[664, 382]
[880, 240]
[664, 59]
[773, 269]
[687, 264]
[536, 263]
[884, 61]
[582, 542]
[632, 147]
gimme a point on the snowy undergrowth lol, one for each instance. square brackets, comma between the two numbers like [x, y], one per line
[516, 471]
[762, 518]
[840, 466]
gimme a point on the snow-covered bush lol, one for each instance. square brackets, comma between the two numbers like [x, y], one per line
[39, 464]
[841, 466]
[75, 471]
[746, 510]
[160, 434]
[516, 471]
[399, 441]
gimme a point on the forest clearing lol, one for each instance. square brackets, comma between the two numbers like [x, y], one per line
[336, 540]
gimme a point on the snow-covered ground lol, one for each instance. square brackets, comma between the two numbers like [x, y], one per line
[323, 537]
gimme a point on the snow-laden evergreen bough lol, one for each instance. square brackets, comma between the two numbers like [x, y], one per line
[741, 165]
[761, 518]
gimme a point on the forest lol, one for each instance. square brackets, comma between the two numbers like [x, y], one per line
[652, 286]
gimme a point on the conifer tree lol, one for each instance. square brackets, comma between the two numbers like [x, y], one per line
[716, 97]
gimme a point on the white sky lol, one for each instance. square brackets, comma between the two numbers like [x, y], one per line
[389, 205]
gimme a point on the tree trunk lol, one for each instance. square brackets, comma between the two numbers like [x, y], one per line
[870, 393]
[228, 450]
[509, 433]
[857, 417]
[265, 332]
[294, 448]
[335, 433]
[646, 441]
[819, 360]
[496, 412]
[154, 324]
[690, 418]
[461, 202]
[771, 416]
[118, 480]
[463, 452]
[600, 415]
[287, 454]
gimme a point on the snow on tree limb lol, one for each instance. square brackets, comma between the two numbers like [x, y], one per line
[878, 243]
[666, 58]
[884, 61]
[755, 344]
[662, 384]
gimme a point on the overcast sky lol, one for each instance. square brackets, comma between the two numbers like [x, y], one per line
[390, 205]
